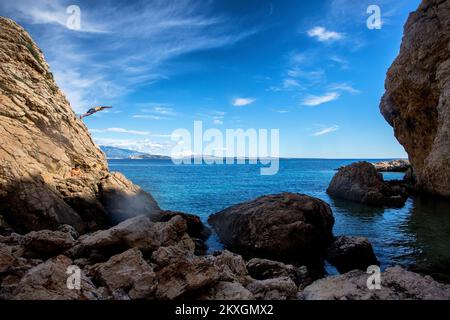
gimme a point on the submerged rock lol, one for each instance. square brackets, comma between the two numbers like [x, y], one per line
[349, 253]
[284, 227]
[361, 182]
[396, 284]
[416, 102]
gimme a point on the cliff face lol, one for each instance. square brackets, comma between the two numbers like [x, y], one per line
[51, 172]
[417, 98]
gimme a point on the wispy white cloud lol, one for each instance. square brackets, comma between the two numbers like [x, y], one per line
[137, 43]
[150, 117]
[120, 130]
[343, 87]
[291, 83]
[313, 100]
[240, 102]
[326, 131]
[323, 35]
[280, 111]
[218, 121]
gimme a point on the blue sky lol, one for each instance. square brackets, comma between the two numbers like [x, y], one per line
[309, 68]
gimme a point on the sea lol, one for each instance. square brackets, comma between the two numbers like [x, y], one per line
[416, 236]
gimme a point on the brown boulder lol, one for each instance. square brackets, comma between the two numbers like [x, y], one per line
[127, 272]
[48, 281]
[349, 253]
[273, 289]
[396, 284]
[283, 227]
[416, 102]
[139, 232]
[361, 182]
[262, 269]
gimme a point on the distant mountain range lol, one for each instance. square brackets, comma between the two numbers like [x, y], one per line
[119, 153]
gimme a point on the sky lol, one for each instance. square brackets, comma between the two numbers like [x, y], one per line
[312, 69]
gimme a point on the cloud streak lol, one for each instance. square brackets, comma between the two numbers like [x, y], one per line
[241, 102]
[323, 35]
[325, 131]
[313, 100]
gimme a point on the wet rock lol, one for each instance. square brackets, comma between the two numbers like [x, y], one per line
[349, 253]
[416, 102]
[396, 284]
[127, 275]
[284, 227]
[361, 182]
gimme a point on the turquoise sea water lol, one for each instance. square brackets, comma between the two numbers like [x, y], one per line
[416, 236]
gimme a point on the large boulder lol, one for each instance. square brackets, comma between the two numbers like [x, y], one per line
[349, 253]
[139, 232]
[282, 288]
[51, 171]
[361, 182]
[283, 227]
[396, 284]
[126, 275]
[262, 269]
[417, 101]
[48, 281]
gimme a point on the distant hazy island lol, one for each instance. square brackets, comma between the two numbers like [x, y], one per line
[119, 153]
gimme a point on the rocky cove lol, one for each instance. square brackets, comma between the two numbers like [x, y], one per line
[129, 248]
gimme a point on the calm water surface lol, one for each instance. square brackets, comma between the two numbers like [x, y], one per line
[416, 236]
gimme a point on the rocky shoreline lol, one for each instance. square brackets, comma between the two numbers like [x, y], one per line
[61, 208]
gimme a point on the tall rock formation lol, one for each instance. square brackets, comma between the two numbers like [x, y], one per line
[51, 171]
[417, 98]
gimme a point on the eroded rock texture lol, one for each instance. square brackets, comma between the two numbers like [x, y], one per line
[51, 171]
[417, 98]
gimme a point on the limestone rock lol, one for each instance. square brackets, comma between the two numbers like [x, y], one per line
[396, 284]
[361, 182]
[349, 253]
[400, 165]
[48, 281]
[262, 269]
[417, 101]
[185, 277]
[226, 291]
[273, 289]
[46, 243]
[127, 272]
[283, 227]
[139, 232]
[6, 258]
[42, 142]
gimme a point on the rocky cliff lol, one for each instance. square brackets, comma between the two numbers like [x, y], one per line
[51, 172]
[417, 98]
